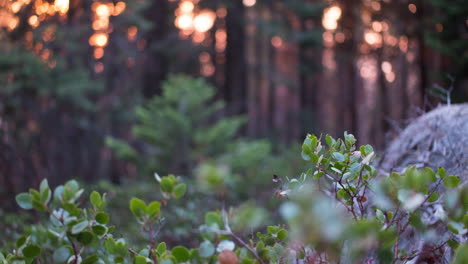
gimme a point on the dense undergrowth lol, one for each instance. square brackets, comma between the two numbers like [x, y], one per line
[341, 210]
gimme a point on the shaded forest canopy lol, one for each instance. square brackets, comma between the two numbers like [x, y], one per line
[72, 71]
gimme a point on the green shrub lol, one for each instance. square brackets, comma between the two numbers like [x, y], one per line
[179, 127]
[340, 210]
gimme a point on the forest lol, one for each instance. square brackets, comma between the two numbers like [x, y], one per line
[233, 131]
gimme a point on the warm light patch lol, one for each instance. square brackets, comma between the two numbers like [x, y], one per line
[98, 53]
[330, 17]
[377, 26]
[403, 43]
[33, 21]
[386, 67]
[61, 6]
[204, 57]
[367, 69]
[16, 7]
[103, 10]
[193, 24]
[277, 42]
[119, 8]
[186, 6]
[98, 40]
[100, 24]
[340, 37]
[98, 67]
[204, 21]
[221, 12]
[439, 27]
[412, 8]
[249, 3]
[221, 40]
[373, 38]
[198, 37]
[184, 22]
[390, 40]
[376, 6]
[328, 39]
[390, 77]
[132, 33]
[208, 70]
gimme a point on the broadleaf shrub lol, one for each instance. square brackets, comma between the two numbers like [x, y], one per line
[340, 211]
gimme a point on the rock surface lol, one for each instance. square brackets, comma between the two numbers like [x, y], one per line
[436, 139]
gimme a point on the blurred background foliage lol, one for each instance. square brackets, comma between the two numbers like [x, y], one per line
[216, 91]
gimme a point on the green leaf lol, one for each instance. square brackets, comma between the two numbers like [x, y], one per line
[35, 195]
[453, 243]
[451, 181]
[102, 218]
[282, 234]
[167, 185]
[213, 219]
[305, 156]
[31, 251]
[433, 197]
[109, 245]
[90, 260]
[138, 207]
[72, 185]
[338, 156]
[45, 192]
[38, 205]
[431, 174]
[415, 221]
[77, 228]
[140, 260]
[181, 253]
[365, 150]
[24, 200]
[161, 248]
[329, 140]
[61, 255]
[153, 209]
[58, 192]
[318, 175]
[95, 199]
[272, 229]
[441, 173]
[46, 195]
[43, 186]
[179, 190]
[349, 139]
[343, 194]
[461, 255]
[99, 230]
[167, 261]
[206, 249]
[20, 241]
[85, 238]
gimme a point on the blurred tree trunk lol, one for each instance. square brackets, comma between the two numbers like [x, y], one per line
[235, 92]
[421, 10]
[252, 64]
[156, 63]
[346, 53]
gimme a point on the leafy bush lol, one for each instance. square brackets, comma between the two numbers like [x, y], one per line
[339, 211]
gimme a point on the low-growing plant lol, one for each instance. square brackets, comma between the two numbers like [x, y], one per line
[339, 211]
